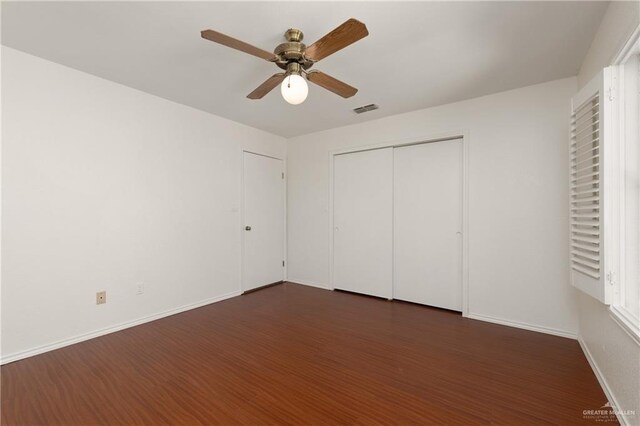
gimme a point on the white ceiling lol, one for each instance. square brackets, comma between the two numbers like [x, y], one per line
[418, 54]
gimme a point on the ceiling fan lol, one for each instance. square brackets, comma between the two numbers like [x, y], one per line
[295, 59]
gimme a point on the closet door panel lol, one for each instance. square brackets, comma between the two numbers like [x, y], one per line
[363, 222]
[428, 224]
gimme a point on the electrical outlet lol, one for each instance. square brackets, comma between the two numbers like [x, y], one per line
[139, 287]
[101, 297]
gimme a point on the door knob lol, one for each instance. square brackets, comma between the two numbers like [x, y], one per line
[247, 228]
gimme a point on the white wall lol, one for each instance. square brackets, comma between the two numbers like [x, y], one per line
[518, 198]
[618, 23]
[614, 354]
[105, 186]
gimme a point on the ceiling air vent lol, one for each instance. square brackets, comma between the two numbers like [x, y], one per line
[365, 108]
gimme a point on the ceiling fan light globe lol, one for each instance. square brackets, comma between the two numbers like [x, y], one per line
[294, 89]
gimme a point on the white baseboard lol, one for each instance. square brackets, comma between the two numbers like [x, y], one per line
[603, 382]
[86, 336]
[525, 326]
[309, 283]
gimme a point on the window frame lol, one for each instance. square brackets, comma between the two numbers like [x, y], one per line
[618, 310]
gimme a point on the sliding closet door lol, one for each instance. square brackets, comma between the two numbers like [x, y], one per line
[363, 222]
[428, 224]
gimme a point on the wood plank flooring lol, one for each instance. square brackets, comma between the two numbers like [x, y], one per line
[291, 354]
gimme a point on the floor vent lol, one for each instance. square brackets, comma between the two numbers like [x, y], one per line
[365, 108]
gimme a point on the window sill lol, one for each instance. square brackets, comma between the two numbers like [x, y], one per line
[626, 322]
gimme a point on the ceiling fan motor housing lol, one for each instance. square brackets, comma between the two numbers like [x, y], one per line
[292, 50]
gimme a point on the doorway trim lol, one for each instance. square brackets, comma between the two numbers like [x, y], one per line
[241, 223]
[418, 140]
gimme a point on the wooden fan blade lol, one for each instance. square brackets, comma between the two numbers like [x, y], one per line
[347, 33]
[331, 84]
[233, 43]
[267, 86]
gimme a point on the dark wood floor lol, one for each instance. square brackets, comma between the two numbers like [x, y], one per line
[291, 354]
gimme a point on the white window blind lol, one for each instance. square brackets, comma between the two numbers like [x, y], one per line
[585, 188]
[590, 149]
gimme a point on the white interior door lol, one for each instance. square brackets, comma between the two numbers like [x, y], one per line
[363, 222]
[428, 224]
[263, 242]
